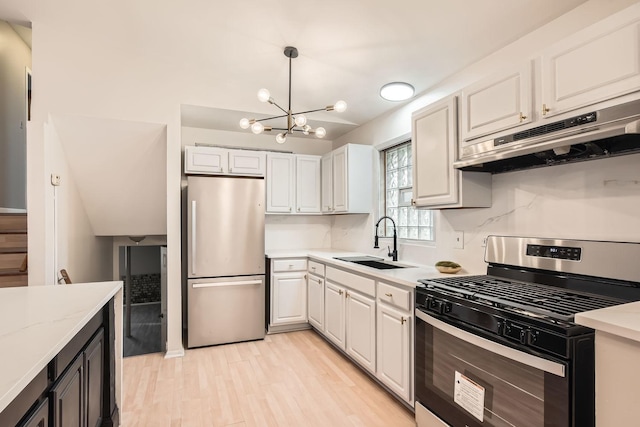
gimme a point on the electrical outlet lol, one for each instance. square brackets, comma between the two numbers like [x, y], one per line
[458, 239]
[55, 179]
[484, 241]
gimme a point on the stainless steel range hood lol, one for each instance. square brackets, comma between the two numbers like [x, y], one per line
[600, 133]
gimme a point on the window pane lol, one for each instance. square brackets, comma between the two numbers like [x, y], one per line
[402, 216]
[403, 159]
[425, 217]
[402, 232]
[392, 159]
[403, 177]
[405, 196]
[413, 233]
[425, 233]
[392, 198]
[392, 179]
[413, 217]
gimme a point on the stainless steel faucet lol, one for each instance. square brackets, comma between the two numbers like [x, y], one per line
[393, 254]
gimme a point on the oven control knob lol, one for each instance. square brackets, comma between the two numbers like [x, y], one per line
[523, 336]
[434, 305]
[447, 307]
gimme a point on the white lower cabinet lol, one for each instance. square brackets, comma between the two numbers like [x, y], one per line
[351, 324]
[290, 298]
[360, 323]
[288, 295]
[315, 301]
[334, 313]
[394, 350]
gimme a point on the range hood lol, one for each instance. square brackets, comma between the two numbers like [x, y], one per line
[600, 133]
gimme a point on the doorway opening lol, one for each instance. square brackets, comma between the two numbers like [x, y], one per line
[143, 271]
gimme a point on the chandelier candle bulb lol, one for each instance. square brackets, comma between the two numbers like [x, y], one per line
[340, 106]
[321, 132]
[257, 128]
[263, 95]
[245, 123]
[281, 138]
[301, 120]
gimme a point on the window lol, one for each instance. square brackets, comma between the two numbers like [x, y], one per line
[412, 223]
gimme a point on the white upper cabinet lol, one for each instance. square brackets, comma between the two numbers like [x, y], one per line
[203, 160]
[327, 183]
[293, 183]
[352, 179]
[436, 184]
[280, 182]
[500, 102]
[246, 162]
[307, 184]
[598, 63]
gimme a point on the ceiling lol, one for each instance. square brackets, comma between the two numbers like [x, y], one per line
[348, 49]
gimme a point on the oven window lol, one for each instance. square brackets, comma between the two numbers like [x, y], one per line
[468, 385]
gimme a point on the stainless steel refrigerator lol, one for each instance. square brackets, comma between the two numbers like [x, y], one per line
[226, 279]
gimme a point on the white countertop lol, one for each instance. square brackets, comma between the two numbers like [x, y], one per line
[404, 276]
[36, 322]
[621, 320]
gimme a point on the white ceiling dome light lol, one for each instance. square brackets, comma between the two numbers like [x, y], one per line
[397, 91]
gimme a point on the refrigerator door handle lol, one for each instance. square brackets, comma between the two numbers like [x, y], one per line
[217, 284]
[193, 237]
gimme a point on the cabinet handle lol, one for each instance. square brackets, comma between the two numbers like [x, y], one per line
[298, 209]
[390, 295]
[522, 117]
[289, 208]
[313, 268]
[402, 320]
[339, 291]
[346, 294]
[413, 201]
[290, 266]
[545, 109]
[230, 170]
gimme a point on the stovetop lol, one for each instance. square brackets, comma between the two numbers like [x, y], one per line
[528, 299]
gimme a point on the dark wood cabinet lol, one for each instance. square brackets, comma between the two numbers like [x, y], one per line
[94, 380]
[77, 388]
[67, 397]
[39, 417]
[78, 394]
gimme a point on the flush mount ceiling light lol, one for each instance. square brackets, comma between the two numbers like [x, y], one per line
[296, 122]
[397, 91]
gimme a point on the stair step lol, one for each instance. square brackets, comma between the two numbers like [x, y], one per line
[12, 278]
[13, 250]
[13, 240]
[13, 222]
[11, 261]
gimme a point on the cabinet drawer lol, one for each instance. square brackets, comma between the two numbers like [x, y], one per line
[394, 295]
[316, 268]
[353, 281]
[289, 264]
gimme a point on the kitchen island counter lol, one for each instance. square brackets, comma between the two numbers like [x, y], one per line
[37, 322]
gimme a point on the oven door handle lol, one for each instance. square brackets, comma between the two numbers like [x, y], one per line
[508, 352]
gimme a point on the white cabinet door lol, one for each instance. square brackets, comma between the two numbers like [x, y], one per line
[500, 102]
[361, 329]
[327, 183]
[205, 160]
[595, 64]
[280, 182]
[247, 162]
[334, 313]
[340, 182]
[289, 298]
[435, 181]
[315, 301]
[307, 184]
[394, 350]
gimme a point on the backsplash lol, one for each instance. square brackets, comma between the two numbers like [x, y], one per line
[597, 200]
[297, 231]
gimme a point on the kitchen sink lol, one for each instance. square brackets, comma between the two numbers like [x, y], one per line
[373, 262]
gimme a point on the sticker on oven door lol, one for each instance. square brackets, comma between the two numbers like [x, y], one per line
[469, 395]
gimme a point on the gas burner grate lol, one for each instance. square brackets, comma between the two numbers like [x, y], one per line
[541, 299]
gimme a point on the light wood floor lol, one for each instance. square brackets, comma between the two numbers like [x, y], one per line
[291, 379]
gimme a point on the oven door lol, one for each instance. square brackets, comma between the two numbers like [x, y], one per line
[467, 380]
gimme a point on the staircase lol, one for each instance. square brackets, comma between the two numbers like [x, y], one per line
[13, 249]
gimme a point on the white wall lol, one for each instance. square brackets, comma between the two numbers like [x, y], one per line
[15, 58]
[592, 200]
[75, 248]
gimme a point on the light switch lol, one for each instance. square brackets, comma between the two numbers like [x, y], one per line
[458, 239]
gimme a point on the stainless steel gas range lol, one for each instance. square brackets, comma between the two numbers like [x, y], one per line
[502, 349]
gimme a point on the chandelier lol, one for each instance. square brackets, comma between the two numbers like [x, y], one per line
[296, 122]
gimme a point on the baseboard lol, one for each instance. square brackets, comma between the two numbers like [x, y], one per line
[171, 354]
[287, 328]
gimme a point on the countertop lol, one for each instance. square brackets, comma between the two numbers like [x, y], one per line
[36, 322]
[621, 320]
[404, 276]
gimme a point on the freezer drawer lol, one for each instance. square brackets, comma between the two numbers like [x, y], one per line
[225, 310]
